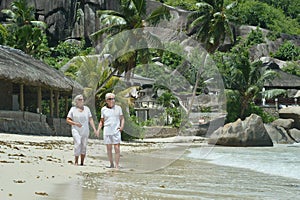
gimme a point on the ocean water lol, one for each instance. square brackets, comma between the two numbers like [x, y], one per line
[207, 172]
[279, 160]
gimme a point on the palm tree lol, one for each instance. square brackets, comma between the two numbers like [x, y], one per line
[26, 33]
[243, 80]
[132, 15]
[210, 24]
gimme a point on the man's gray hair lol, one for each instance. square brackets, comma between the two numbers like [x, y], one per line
[108, 95]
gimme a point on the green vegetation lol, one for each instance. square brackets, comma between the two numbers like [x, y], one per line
[3, 34]
[62, 53]
[288, 51]
[210, 22]
[243, 80]
[255, 37]
[260, 14]
[133, 15]
[23, 31]
[292, 68]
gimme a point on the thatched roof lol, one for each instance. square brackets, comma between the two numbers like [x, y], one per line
[284, 81]
[18, 67]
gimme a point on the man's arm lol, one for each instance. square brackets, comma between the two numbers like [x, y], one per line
[122, 121]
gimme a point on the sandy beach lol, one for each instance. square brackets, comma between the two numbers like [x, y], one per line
[32, 167]
[41, 167]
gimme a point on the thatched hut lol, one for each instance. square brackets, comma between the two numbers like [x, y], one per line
[285, 81]
[30, 87]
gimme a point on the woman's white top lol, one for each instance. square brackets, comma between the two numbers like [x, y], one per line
[82, 117]
[112, 119]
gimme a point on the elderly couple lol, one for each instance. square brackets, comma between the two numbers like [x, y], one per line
[112, 121]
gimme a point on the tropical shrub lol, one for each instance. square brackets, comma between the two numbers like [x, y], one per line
[255, 37]
[292, 68]
[3, 34]
[260, 14]
[288, 51]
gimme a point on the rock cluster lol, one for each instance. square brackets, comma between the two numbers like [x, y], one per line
[250, 132]
[253, 132]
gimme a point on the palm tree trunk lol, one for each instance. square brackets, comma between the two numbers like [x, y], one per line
[195, 87]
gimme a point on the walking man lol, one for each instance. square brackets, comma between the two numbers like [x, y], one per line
[112, 121]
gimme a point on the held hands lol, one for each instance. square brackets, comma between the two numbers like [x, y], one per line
[97, 133]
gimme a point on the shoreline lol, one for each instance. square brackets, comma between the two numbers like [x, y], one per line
[31, 166]
[41, 167]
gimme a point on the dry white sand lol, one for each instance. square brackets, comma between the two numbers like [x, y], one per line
[31, 167]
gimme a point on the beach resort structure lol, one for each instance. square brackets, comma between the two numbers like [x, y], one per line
[35, 97]
[285, 81]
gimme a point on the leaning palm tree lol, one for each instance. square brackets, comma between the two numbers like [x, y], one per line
[132, 15]
[210, 24]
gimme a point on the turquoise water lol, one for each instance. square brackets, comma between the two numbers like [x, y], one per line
[201, 173]
[280, 160]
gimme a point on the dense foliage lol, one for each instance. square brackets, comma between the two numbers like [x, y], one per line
[209, 22]
[260, 14]
[288, 51]
[243, 79]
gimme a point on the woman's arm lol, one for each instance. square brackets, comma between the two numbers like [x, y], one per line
[92, 124]
[71, 122]
[99, 126]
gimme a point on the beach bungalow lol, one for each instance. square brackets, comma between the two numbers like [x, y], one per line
[35, 97]
[288, 82]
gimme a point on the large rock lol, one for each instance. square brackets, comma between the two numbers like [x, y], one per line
[291, 113]
[68, 18]
[279, 134]
[295, 134]
[250, 132]
[285, 123]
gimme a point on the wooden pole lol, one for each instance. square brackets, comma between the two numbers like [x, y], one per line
[51, 103]
[22, 97]
[39, 100]
[56, 102]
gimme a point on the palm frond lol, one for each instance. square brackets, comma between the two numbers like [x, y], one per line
[140, 6]
[153, 41]
[158, 14]
[270, 94]
[269, 75]
[110, 30]
[9, 13]
[204, 6]
[39, 24]
[112, 20]
[232, 5]
[109, 12]
[198, 21]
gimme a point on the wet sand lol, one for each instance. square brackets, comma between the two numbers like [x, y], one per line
[41, 168]
[32, 166]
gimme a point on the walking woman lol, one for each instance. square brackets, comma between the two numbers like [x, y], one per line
[79, 117]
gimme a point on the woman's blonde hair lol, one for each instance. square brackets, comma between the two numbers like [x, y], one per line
[76, 99]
